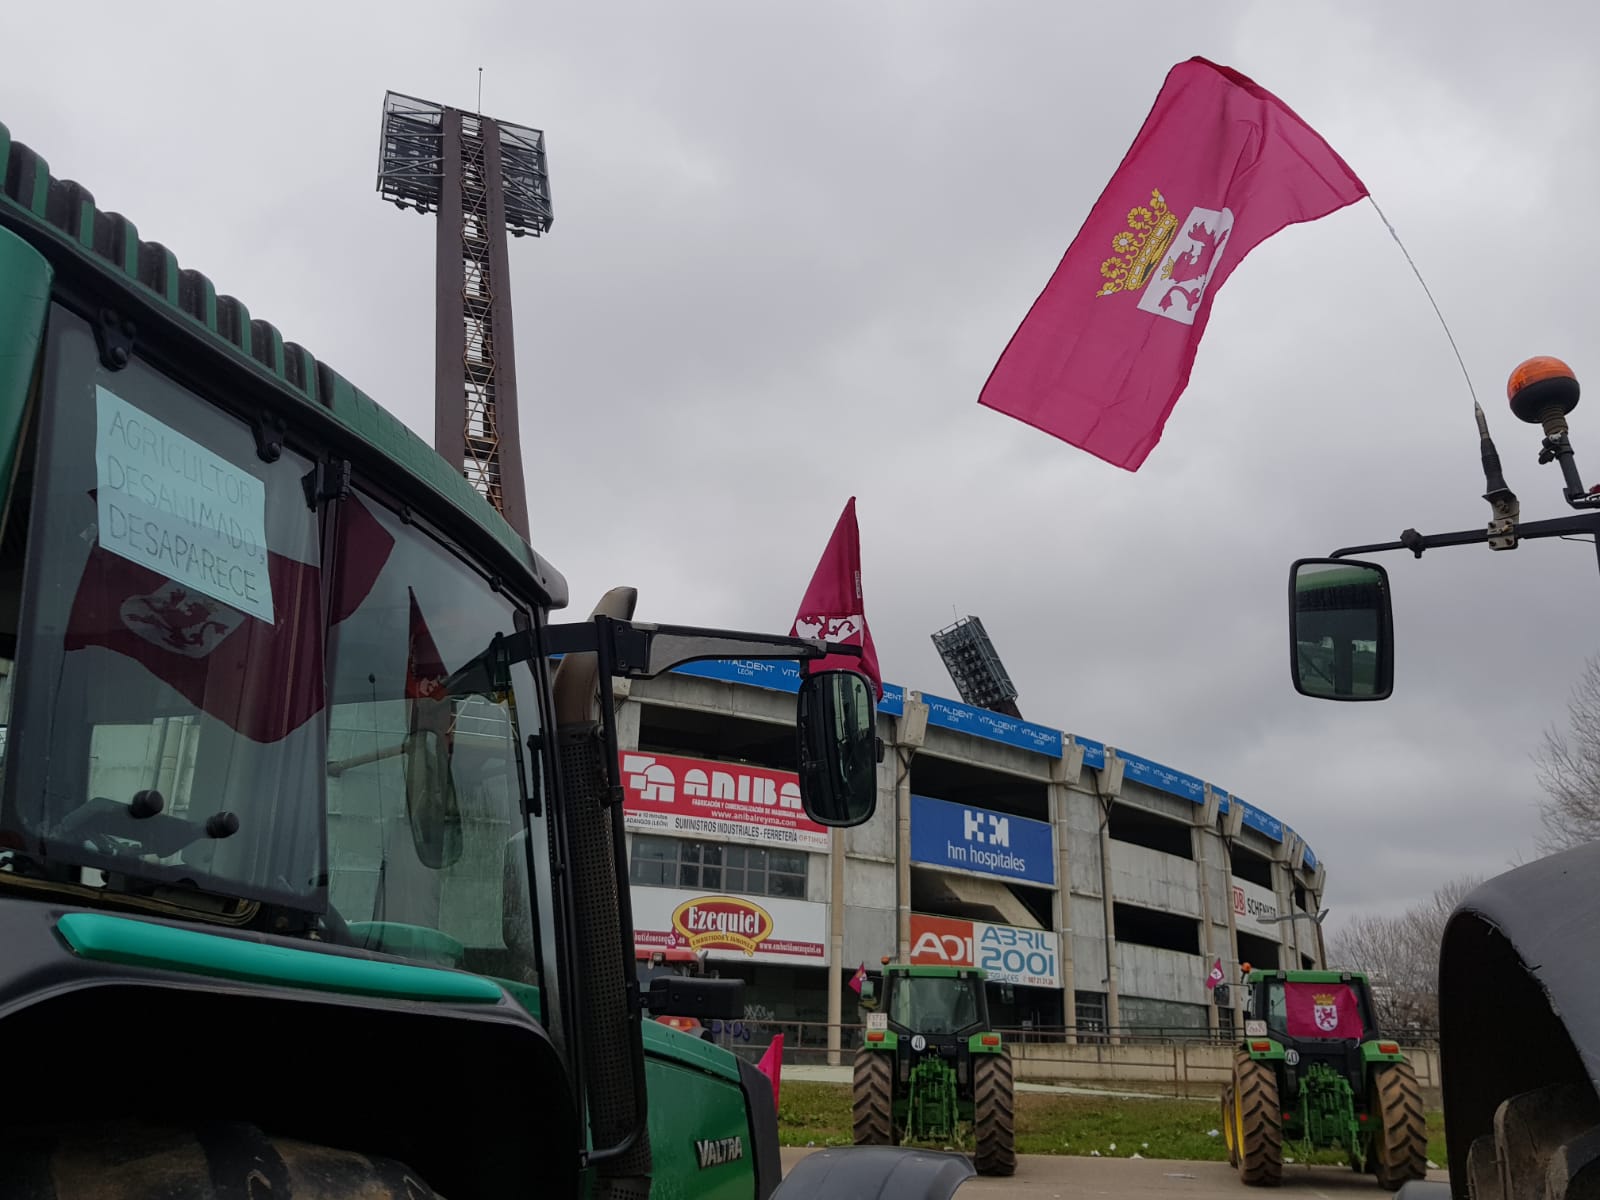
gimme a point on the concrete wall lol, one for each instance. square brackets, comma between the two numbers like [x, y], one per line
[1175, 1067]
[1152, 879]
[1161, 974]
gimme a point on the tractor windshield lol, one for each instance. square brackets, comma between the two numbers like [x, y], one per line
[934, 1004]
[235, 697]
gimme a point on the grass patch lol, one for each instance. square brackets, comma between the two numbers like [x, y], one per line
[819, 1113]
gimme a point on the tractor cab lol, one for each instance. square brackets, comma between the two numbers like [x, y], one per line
[1322, 1016]
[1313, 1073]
[930, 1065]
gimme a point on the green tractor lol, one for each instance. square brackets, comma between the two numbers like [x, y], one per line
[1313, 1073]
[312, 868]
[929, 1065]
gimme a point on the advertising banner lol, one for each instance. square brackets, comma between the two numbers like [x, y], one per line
[734, 802]
[1252, 900]
[1028, 957]
[762, 929]
[964, 838]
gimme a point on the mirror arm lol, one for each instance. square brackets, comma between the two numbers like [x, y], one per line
[639, 650]
[1582, 523]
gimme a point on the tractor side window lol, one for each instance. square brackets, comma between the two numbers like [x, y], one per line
[426, 778]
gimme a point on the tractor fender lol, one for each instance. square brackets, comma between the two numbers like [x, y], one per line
[876, 1173]
[1518, 977]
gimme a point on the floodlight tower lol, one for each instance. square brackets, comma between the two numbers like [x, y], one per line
[484, 177]
[975, 668]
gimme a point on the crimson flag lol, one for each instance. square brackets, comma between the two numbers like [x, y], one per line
[1216, 976]
[264, 679]
[833, 609]
[1219, 166]
[771, 1065]
[1321, 1010]
[858, 979]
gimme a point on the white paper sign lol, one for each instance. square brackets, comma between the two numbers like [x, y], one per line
[169, 504]
[1255, 1029]
[877, 1020]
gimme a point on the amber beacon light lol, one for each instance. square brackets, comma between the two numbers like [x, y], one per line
[1542, 391]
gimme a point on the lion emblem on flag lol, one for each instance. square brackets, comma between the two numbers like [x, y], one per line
[1325, 1011]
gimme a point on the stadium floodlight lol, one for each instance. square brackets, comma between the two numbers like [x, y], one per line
[974, 666]
[484, 178]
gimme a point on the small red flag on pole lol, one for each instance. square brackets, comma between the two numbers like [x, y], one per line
[1216, 976]
[858, 979]
[833, 608]
[771, 1065]
[1219, 166]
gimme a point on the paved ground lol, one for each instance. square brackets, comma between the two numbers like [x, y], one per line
[1051, 1177]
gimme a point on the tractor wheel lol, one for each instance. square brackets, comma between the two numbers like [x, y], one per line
[872, 1101]
[1257, 1129]
[994, 1113]
[1547, 1136]
[1400, 1142]
[206, 1162]
[1230, 1135]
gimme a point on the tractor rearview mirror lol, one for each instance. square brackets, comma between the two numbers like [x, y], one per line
[838, 750]
[1341, 630]
[869, 994]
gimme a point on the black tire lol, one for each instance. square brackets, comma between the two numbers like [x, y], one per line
[1483, 1169]
[214, 1161]
[872, 1098]
[994, 1114]
[1400, 1141]
[1228, 1127]
[1549, 1136]
[1258, 1127]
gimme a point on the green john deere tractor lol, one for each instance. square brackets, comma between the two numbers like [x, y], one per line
[929, 1065]
[312, 867]
[1314, 1073]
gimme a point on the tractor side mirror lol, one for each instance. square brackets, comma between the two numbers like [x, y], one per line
[1224, 995]
[703, 999]
[1341, 630]
[836, 724]
[869, 995]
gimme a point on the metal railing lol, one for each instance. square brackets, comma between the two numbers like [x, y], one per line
[1171, 1060]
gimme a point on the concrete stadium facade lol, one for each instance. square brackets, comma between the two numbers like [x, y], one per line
[1097, 887]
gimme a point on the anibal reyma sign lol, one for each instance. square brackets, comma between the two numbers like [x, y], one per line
[735, 802]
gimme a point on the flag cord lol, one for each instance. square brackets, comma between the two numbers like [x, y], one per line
[1429, 293]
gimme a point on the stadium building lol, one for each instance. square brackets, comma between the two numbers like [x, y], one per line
[1096, 887]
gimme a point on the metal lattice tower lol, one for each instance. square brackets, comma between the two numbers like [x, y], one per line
[975, 668]
[484, 178]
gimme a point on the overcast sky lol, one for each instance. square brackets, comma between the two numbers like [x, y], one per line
[790, 242]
